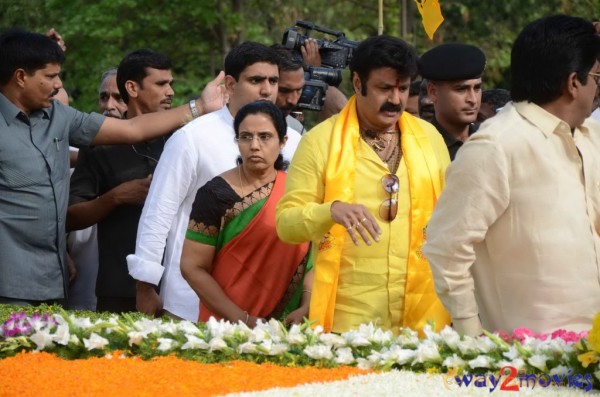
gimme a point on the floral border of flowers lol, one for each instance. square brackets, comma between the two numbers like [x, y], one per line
[74, 337]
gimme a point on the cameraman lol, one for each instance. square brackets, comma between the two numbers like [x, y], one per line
[291, 83]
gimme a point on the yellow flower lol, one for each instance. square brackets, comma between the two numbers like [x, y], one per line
[594, 335]
[588, 358]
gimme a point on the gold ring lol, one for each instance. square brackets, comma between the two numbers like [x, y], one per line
[363, 220]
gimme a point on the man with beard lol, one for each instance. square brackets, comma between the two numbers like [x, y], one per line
[291, 83]
[361, 187]
[453, 72]
[110, 183]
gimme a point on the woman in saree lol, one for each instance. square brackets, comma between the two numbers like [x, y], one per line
[232, 256]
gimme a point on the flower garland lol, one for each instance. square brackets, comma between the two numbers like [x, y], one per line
[558, 357]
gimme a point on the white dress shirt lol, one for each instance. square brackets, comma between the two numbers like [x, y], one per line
[201, 150]
[513, 241]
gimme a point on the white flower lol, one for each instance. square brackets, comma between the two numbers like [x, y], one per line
[165, 344]
[344, 356]
[365, 364]
[481, 361]
[37, 323]
[318, 352]
[42, 339]
[559, 370]
[511, 353]
[485, 344]
[427, 351]
[136, 337]
[450, 337]
[62, 335]
[248, 347]
[317, 330]
[356, 339]
[259, 334]
[332, 340]
[187, 327]
[82, 322]
[217, 344]
[95, 342]
[380, 336]
[518, 363]
[454, 361]
[148, 326]
[408, 338]
[295, 336]
[431, 334]
[271, 348]
[538, 361]
[399, 355]
[74, 340]
[168, 328]
[193, 342]
[467, 345]
[278, 348]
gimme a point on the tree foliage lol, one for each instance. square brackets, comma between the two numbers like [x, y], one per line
[196, 34]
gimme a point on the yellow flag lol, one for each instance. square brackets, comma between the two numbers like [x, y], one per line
[432, 15]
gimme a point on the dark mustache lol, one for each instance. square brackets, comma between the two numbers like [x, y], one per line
[390, 107]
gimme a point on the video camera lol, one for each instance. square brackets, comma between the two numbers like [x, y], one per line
[316, 81]
[335, 55]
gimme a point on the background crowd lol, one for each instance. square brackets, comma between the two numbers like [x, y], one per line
[195, 214]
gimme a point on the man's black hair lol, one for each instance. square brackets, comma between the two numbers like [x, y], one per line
[496, 97]
[246, 54]
[383, 51]
[415, 88]
[28, 51]
[546, 52]
[288, 59]
[133, 67]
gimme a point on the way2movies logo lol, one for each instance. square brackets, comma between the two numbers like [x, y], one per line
[509, 379]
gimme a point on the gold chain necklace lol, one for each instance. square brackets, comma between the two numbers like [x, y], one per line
[376, 141]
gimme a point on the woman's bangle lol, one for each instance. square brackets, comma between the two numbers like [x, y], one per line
[307, 291]
[247, 317]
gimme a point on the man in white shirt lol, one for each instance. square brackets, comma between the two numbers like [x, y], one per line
[513, 241]
[194, 155]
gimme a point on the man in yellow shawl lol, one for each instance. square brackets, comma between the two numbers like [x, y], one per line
[362, 186]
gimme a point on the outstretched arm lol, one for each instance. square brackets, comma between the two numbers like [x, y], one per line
[152, 125]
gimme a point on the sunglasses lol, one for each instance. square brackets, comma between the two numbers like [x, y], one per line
[389, 208]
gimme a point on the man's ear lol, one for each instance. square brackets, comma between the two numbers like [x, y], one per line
[132, 88]
[432, 91]
[573, 84]
[230, 83]
[356, 83]
[20, 76]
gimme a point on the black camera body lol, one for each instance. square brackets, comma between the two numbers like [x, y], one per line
[335, 54]
[316, 81]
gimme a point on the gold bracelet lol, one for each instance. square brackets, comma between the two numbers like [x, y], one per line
[307, 290]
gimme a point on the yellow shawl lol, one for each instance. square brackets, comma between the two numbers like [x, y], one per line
[421, 302]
